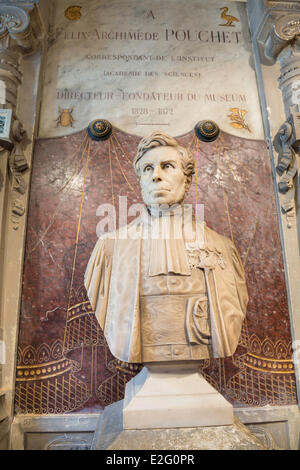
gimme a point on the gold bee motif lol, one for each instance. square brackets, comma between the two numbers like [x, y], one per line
[73, 13]
[65, 118]
[237, 117]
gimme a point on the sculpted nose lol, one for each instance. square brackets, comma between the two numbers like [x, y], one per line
[156, 176]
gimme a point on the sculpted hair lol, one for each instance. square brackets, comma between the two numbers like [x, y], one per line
[157, 139]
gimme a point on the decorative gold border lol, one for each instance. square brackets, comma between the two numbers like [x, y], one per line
[43, 371]
[269, 365]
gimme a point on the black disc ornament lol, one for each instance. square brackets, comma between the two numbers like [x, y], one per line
[207, 131]
[99, 129]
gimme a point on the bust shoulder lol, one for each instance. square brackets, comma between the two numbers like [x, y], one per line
[216, 240]
[127, 232]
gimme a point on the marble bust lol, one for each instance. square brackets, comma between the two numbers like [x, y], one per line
[166, 288]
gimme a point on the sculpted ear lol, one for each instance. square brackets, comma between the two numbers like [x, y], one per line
[188, 182]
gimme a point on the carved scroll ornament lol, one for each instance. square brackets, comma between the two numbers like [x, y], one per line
[286, 144]
[15, 21]
[285, 29]
[17, 164]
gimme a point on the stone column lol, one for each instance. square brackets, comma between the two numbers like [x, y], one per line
[283, 45]
[22, 36]
[275, 29]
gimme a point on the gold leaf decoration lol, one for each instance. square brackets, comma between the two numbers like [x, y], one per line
[238, 117]
[237, 125]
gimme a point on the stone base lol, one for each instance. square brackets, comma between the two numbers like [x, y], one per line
[112, 436]
[173, 395]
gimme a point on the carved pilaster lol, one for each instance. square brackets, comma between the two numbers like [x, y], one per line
[10, 75]
[287, 51]
[20, 34]
[287, 145]
[289, 79]
[17, 166]
[283, 44]
[277, 30]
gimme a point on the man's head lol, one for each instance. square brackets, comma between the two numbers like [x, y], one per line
[164, 169]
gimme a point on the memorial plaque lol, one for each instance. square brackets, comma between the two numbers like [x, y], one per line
[150, 65]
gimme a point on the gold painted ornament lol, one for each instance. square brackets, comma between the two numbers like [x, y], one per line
[99, 129]
[207, 130]
[65, 117]
[73, 13]
[228, 18]
[237, 117]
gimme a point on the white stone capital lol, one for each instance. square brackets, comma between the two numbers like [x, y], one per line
[22, 24]
[283, 33]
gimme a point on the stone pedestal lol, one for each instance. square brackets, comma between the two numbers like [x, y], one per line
[173, 395]
[171, 406]
[111, 435]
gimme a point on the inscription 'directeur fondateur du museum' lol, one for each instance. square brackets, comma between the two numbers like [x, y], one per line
[147, 77]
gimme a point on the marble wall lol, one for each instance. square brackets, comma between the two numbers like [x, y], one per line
[63, 362]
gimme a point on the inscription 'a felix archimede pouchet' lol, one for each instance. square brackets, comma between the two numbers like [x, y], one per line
[168, 35]
[165, 288]
[161, 53]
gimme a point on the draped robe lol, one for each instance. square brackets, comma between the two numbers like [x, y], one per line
[113, 280]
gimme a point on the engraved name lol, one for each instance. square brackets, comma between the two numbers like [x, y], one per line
[225, 37]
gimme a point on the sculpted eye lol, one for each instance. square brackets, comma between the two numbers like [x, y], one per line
[148, 168]
[168, 165]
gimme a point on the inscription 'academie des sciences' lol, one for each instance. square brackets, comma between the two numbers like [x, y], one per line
[169, 34]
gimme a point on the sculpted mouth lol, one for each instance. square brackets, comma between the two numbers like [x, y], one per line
[158, 190]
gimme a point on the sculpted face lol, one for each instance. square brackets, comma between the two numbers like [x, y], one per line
[162, 178]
